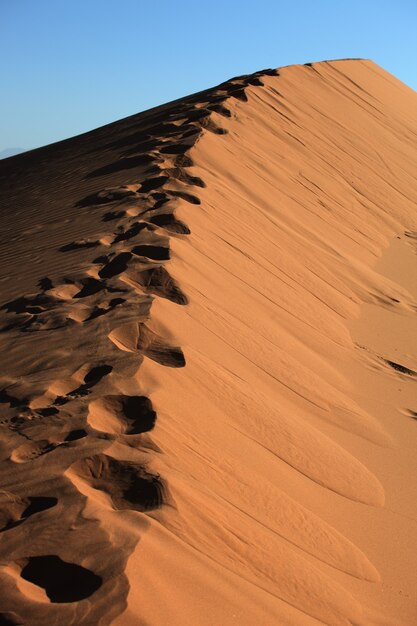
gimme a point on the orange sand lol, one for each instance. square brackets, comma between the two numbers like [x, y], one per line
[209, 361]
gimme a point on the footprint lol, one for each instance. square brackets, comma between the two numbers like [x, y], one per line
[37, 504]
[132, 231]
[153, 183]
[124, 163]
[137, 337]
[6, 398]
[92, 378]
[74, 435]
[170, 222]
[118, 414]
[11, 509]
[410, 413]
[115, 266]
[32, 450]
[159, 282]
[157, 253]
[211, 126]
[106, 196]
[79, 245]
[113, 215]
[15, 510]
[45, 284]
[179, 173]
[129, 485]
[89, 287]
[174, 148]
[31, 305]
[400, 368]
[62, 581]
[220, 109]
[188, 197]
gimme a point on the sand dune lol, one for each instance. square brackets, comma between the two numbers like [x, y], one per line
[208, 393]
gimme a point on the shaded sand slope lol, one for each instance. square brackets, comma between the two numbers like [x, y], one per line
[235, 272]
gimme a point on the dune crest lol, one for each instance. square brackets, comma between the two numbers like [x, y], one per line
[203, 358]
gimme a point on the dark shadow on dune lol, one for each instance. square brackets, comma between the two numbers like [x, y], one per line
[92, 378]
[105, 197]
[74, 435]
[170, 222]
[130, 232]
[34, 304]
[157, 253]
[38, 504]
[62, 581]
[90, 286]
[6, 398]
[400, 368]
[78, 245]
[47, 411]
[153, 183]
[115, 266]
[138, 413]
[45, 283]
[174, 148]
[113, 215]
[97, 373]
[188, 197]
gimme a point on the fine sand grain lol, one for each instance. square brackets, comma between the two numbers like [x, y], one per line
[208, 391]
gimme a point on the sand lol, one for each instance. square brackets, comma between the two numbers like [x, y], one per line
[208, 389]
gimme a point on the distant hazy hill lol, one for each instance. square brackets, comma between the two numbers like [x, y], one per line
[8, 152]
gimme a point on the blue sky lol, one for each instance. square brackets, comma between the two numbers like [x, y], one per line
[70, 66]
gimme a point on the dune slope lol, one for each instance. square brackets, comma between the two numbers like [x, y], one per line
[208, 391]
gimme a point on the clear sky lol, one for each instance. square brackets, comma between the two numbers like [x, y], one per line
[68, 66]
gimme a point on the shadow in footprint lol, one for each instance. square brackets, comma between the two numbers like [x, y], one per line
[33, 305]
[32, 450]
[78, 245]
[112, 215]
[131, 232]
[62, 581]
[129, 485]
[91, 379]
[45, 283]
[157, 253]
[141, 160]
[6, 398]
[400, 368]
[90, 286]
[99, 311]
[188, 197]
[153, 183]
[118, 414]
[74, 435]
[174, 148]
[170, 222]
[180, 174]
[137, 337]
[159, 282]
[38, 504]
[16, 511]
[115, 266]
[105, 196]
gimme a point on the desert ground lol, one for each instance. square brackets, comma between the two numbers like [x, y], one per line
[208, 385]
